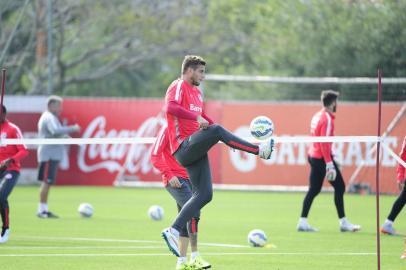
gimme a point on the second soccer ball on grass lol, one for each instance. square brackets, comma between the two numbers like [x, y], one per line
[156, 212]
[86, 210]
[257, 238]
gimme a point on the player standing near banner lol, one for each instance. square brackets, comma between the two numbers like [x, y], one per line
[191, 135]
[49, 156]
[400, 202]
[322, 165]
[177, 183]
[387, 227]
[10, 157]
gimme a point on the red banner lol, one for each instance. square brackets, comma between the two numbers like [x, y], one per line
[112, 118]
[288, 165]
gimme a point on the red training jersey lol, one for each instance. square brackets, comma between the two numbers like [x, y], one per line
[401, 169]
[16, 152]
[190, 98]
[322, 124]
[162, 159]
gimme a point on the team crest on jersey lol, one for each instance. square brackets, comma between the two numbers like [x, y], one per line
[200, 97]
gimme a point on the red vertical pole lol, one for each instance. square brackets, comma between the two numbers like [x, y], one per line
[378, 239]
[3, 86]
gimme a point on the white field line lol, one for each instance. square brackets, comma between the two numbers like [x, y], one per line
[206, 254]
[83, 239]
[81, 247]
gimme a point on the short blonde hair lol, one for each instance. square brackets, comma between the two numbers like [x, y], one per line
[54, 99]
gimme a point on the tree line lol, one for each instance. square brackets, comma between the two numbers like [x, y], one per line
[133, 48]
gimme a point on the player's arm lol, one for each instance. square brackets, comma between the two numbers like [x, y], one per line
[159, 159]
[22, 151]
[205, 116]
[159, 162]
[177, 110]
[56, 129]
[400, 169]
[325, 148]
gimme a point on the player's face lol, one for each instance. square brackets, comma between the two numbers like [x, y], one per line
[198, 75]
[334, 106]
[56, 108]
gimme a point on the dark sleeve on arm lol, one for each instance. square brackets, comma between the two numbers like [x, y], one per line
[177, 110]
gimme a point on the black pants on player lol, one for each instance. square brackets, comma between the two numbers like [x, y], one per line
[192, 154]
[316, 178]
[398, 205]
[7, 183]
[181, 196]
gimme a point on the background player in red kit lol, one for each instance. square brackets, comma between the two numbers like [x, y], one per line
[191, 135]
[322, 165]
[10, 156]
[176, 181]
[400, 202]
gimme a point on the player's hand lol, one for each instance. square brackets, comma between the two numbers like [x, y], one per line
[174, 182]
[76, 128]
[203, 123]
[5, 163]
[331, 172]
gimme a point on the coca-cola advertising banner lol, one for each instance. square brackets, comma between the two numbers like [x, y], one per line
[97, 164]
[288, 165]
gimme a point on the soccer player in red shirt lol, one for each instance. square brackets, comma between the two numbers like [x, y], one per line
[177, 183]
[10, 157]
[191, 135]
[387, 227]
[322, 165]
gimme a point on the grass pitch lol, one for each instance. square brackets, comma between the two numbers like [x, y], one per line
[121, 236]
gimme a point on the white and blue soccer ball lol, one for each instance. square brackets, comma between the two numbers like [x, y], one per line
[257, 238]
[86, 210]
[156, 212]
[261, 127]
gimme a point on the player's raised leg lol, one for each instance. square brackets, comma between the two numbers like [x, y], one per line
[199, 143]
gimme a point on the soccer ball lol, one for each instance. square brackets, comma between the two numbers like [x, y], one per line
[86, 210]
[156, 212]
[257, 238]
[261, 127]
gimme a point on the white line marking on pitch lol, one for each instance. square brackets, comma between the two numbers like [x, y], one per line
[121, 241]
[84, 247]
[207, 254]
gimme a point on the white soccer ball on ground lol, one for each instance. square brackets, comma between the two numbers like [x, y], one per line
[86, 210]
[156, 212]
[257, 238]
[261, 127]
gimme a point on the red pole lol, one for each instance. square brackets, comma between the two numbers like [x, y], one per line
[3, 86]
[378, 239]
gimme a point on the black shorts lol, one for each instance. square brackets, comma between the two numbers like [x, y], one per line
[47, 171]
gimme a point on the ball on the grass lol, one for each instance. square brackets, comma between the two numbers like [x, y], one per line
[156, 212]
[257, 238]
[86, 210]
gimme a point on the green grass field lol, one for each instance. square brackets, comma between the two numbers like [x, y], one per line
[121, 236]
